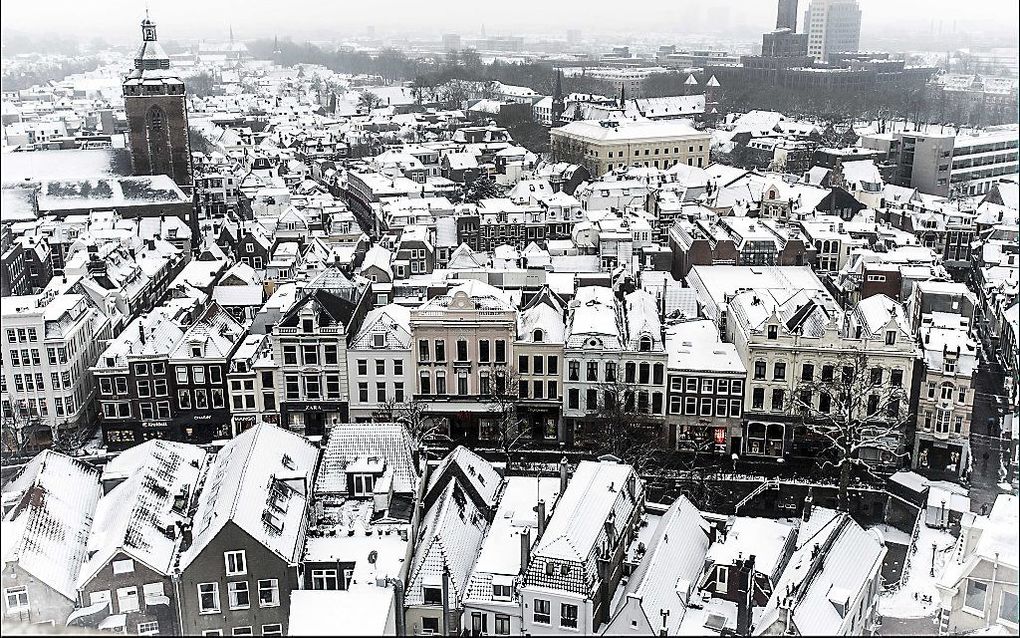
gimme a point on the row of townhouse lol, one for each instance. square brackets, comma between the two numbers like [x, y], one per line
[165, 377]
[168, 539]
[269, 535]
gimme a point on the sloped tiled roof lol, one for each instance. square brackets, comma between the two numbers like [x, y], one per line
[243, 485]
[350, 441]
[672, 564]
[133, 517]
[47, 531]
[450, 537]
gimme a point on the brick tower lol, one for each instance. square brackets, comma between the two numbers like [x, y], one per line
[157, 114]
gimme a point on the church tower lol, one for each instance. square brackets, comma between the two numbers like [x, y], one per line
[558, 103]
[157, 114]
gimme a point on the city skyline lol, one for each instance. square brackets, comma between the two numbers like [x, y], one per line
[254, 20]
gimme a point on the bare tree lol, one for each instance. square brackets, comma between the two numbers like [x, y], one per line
[622, 426]
[509, 433]
[413, 415]
[368, 101]
[858, 410]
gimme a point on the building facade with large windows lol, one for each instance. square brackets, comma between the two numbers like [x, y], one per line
[946, 398]
[463, 349]
[49, 344]
[789, 341]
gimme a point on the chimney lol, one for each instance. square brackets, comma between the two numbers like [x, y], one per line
[525, 549]
[745, 584]
[563, 476]
[809, 502]
[540, 511]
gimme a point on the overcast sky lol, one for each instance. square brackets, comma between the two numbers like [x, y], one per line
[117, 20]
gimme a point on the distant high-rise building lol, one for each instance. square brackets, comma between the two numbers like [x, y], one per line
[157, 113]
[833, 26]
[451, 42]
[786, 16]
[573, 36]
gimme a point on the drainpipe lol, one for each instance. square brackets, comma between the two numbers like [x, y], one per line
[398, 604]
[176, 578]
[446, 601]
[563, 475]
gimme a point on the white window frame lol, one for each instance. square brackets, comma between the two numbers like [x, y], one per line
[125, 593]
[234, 588]
[239, 570]
[273, 585]
[17, 592]
[547, 615]
[149, 628]
[215, 591]
[126, 566]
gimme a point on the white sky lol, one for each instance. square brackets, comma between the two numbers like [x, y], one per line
[117, 20]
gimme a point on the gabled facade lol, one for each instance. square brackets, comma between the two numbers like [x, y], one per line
[238, 564]
[48, 514]
[462, 345]
[200, 362]
[380, 364]
[577, 563]
[127, 577]
[310, 349]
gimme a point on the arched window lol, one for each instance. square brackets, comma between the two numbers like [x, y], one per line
[946, 391]
[538, 335]
[646, 344]
[157, 119]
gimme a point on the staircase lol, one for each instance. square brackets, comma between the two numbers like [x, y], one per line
[769, 484]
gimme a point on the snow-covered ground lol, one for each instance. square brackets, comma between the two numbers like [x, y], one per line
[892, 535]
[917, 596]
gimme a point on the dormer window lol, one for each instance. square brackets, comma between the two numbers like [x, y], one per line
[196, 351]
[646, 344]
[379, 340]
[363, 484]
[890, 337]
[307, 325]
[538, 336]
[773, 332]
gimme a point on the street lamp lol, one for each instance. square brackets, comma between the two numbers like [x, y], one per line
[735, 457]
[934, 548]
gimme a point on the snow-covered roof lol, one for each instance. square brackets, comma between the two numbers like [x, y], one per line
[379, 257]
[212, 336]
[133, 517]
[542, 317]
[46, 532]
[451, 533]
[249, 482]
[107, 193]
[624, 131]
[695, 345]
[367, 610]
[764, 538]
[516, 514]
[596, 489]
[825, 574]
[594, 313]
[393, 321]
[349, 442]
[477, 474]
[672, 565]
